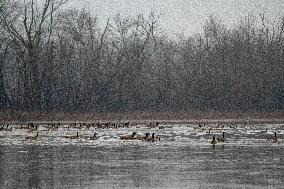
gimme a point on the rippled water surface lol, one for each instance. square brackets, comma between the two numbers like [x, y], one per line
[184, 158]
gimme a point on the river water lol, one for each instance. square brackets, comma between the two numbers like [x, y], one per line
[184, 158]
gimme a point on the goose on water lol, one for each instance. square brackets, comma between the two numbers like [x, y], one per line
[153, 138]
[274, 139]
[129, 137]
[143, 137]
[73, 137]
[221, 139]
[214, 140]
[32, 137]
[92, 137]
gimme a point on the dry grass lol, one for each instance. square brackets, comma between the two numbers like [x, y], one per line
[20, 116]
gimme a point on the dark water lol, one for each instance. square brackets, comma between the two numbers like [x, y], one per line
[182, 159]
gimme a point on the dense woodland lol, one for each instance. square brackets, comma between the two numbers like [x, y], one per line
[56, 59]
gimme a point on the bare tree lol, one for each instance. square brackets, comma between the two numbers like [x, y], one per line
[26, 24]
[69, 60]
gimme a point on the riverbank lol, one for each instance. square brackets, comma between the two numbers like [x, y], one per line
[144, 117]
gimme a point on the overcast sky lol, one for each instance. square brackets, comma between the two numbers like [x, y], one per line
[185, 16]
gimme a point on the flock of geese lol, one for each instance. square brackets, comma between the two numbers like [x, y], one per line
[147, 137]
[222, 138]
[32, 127]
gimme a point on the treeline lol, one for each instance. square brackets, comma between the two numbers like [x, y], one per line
[54, 59]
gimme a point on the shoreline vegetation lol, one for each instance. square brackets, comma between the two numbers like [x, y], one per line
[144, 117]
[53, 58]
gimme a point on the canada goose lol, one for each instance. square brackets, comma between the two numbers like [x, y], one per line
[92, 137]
[31, 125]
[127, 124]
[274, 139]
[32, 137]
[99, 125]
[265, 131]
[88, 126]
[144, 137]
[209, 130]
[222, 139]
[5, 129]
[53, 128]
[19, 127]
[107, 125]
[214, 140]
[73, 137]
[155, 138]
[30, 130]
[129, 137]
[152, 138]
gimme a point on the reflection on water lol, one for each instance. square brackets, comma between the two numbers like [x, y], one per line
[183, 158]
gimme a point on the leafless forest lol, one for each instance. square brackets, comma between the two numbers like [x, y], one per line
[57, 59]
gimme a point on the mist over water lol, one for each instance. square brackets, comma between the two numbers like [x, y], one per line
[184, 158]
